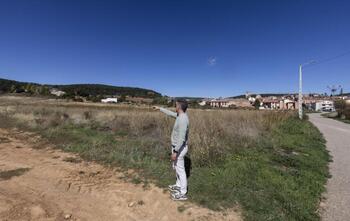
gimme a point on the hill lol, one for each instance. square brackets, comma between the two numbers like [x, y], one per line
[101, 89]
[84, 90]
[265, 95]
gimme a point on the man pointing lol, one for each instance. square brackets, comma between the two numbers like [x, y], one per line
[179, 148]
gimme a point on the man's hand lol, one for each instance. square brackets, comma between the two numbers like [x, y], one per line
[155, 108]
[173, 156]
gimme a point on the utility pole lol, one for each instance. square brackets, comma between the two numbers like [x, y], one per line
[300, 97]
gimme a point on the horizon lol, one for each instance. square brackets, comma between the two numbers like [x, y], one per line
[182, 49]
[232, 96]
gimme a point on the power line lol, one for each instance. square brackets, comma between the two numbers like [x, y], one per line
[329, 59]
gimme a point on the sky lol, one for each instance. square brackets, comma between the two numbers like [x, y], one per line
[202, 48]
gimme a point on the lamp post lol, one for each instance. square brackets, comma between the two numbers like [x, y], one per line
[300, 96]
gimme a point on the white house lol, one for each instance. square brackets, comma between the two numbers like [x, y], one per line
[57, 92]
[222, 102]
[202, 103]
[324, 106]
[251, 99]
[229, 102]
[109, 100]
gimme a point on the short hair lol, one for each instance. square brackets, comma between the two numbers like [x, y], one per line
[183, 104]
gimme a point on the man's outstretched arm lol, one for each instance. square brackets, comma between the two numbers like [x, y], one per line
[166, 111]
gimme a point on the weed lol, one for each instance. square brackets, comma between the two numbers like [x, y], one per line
[72, 160]
[181, 208]
[8, 174]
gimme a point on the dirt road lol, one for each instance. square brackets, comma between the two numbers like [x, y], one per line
[48, 184]
[337, 134]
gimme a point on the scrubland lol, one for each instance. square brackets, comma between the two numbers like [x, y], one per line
[268, 163]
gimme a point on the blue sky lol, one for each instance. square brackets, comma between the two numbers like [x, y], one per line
[179, 48]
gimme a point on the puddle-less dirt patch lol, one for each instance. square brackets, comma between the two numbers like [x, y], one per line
[72, 160]
[4, 140]
[8, 174]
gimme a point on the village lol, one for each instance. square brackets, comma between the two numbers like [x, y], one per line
[312, 102]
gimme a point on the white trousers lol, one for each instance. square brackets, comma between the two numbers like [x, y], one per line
[179, 166]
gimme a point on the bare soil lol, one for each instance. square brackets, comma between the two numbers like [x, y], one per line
[38, 182]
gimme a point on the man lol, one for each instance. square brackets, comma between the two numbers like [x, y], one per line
[179, 148]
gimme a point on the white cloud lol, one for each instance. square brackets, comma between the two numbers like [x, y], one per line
[212, 61]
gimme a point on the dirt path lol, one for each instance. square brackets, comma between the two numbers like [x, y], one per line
[337, 204]
[40, 184]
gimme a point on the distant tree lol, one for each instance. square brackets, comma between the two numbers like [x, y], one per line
[193, 104]
[20, 90]
[160, 100]
[78, 99]
[97, 98]
[82, 93]
[122, 98]
[43, 90]
[35, 89]
[82, 90]
[13, 88]
[257, 104]
[27, 87]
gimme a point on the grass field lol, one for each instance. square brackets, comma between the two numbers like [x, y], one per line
[270, 164]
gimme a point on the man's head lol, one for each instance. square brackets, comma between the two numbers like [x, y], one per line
[181, 106]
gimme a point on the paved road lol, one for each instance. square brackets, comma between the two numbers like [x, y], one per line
[337, 134]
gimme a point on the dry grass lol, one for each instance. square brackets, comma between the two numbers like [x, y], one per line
[213, 133]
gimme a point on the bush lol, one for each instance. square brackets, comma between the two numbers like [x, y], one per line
[343, 108]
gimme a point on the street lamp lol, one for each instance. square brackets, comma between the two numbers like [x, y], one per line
[300, 97]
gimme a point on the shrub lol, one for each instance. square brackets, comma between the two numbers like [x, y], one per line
[343, 108]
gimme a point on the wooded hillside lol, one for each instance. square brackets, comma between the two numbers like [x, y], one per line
[84, 90]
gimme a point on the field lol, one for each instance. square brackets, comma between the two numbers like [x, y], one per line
[269, 164]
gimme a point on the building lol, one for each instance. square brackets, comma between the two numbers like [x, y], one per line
[221, 103]
[324, 106]
[57, 92]
[272, 104]
[203, 103]
[289, 104]
[282, 103]
[229, 102]
[109, 100]
[320, 103]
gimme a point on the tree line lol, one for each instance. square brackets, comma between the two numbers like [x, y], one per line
[90, 91]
